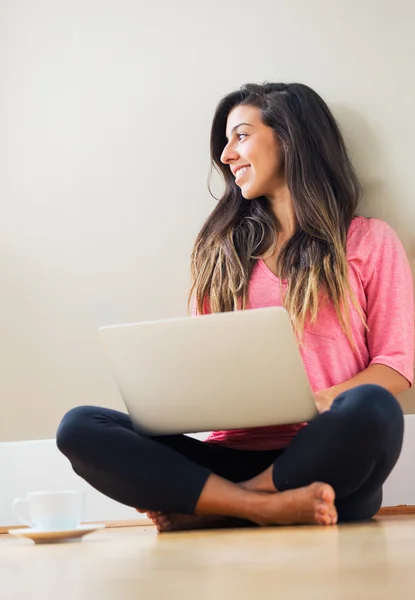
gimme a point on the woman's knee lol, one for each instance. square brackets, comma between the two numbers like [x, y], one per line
[385, 400]
[371, 397]
[73, 427]
[370, 406]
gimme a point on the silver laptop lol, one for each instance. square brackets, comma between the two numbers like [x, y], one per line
[219, 371]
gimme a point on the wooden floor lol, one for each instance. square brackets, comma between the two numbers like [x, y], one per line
[375, 560]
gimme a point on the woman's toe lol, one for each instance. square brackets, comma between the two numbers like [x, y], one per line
[164, 525]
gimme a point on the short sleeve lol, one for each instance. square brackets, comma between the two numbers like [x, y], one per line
[390, 301]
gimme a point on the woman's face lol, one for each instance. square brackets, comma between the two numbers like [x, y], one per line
[253, 153]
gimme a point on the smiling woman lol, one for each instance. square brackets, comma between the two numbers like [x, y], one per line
[285, 232]
[302, 192]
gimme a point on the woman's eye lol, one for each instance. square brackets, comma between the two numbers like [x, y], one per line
[241, 135]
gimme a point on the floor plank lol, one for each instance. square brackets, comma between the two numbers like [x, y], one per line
[367, 561]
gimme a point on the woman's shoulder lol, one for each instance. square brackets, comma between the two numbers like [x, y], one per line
[367, 234]
[371, 242]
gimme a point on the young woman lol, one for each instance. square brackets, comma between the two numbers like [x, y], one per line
[285, 232]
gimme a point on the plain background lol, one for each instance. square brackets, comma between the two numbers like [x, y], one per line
[105, 112]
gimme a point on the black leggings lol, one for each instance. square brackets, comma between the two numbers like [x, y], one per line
[353, 447]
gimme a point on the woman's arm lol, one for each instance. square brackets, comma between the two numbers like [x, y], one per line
[377, 374]
[388, 285]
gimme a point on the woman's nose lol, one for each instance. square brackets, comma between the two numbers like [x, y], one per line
[228, 155]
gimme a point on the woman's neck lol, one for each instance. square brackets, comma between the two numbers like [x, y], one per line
[283, 208]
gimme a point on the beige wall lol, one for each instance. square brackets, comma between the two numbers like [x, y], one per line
[105, 111]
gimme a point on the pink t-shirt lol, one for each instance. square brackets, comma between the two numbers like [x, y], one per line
[380, 276]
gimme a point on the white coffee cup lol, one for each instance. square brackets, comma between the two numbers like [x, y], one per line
[50, 511]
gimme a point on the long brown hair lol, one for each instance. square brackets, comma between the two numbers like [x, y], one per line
[325, 191]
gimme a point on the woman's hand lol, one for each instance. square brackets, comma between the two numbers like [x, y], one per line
[323, 400]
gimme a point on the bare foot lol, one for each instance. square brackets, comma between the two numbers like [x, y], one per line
[311, 505]
[177, 522]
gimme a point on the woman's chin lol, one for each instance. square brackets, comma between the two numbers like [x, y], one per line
[248, 194]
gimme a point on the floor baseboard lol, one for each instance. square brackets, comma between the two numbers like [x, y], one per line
[403, 509]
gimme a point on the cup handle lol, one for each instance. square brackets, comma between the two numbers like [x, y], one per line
[20, 507]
